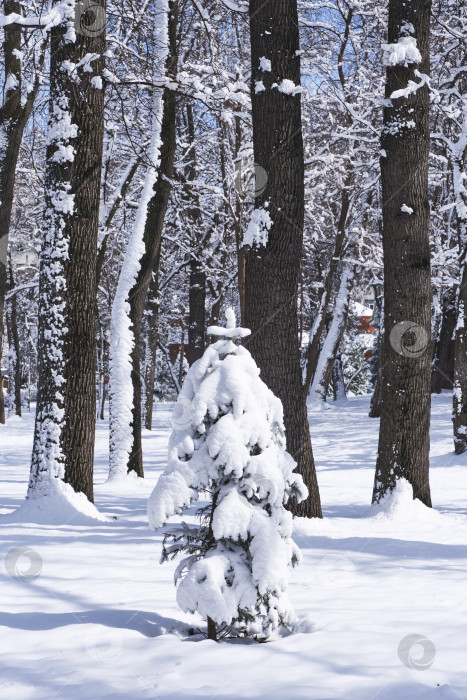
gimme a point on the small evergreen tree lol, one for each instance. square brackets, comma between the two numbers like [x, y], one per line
[228, 442]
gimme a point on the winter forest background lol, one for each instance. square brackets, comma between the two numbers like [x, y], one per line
[233, 281]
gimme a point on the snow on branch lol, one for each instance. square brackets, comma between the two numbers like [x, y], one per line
[402, 53]
[55, 16]
[412, 86]
[236, 6]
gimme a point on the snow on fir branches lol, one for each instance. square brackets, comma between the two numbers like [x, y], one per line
[228, 444]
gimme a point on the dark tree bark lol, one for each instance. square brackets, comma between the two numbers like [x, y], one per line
[459, 413]
[442, 371]
[212, 630]
[157, 208]
[104, 369]
[197, 303]
[197, 280]
[272, 270]
[404, 439]
[13, 117]
[152, 307]
[13, 342]
[338, 383]
[87, 109]
[376, 361]
[74, 159]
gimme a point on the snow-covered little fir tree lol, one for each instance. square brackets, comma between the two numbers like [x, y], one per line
[228, 442]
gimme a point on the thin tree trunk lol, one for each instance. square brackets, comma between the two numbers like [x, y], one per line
[118, 197]
[152, 238]
[141, 259]
[197, 281]
[338, 383]
[377, 363]
[404, 438]
[442, 372]
[181, 357]
[459, 407]
[14, 355]
[212, 630]
[459, 413]
[323, 373]
[197, 304]
[151, 347]
[104, 369]
[14, 113]
[272, 269]
[319, 323]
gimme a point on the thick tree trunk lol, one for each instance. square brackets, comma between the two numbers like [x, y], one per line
[404, 438]
[87, 112]
[442, 372]
[66, 406]
[14, 358]
[272, 270]
[157, 208]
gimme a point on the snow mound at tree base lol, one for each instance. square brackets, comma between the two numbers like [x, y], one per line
[121, 480]
[400, 505]
[60, 505]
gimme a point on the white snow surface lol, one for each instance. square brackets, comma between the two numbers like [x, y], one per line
[97, 617]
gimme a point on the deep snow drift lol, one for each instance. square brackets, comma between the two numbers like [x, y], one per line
[87, 611]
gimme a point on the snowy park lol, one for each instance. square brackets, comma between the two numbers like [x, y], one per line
[233, 349]
[96, 615]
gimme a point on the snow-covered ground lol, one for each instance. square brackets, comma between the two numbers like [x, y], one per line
[96, 615]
